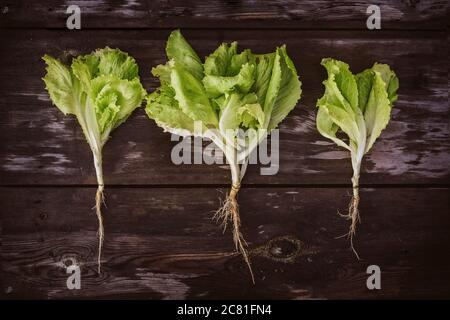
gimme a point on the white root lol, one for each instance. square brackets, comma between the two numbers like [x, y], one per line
[353, 214]
[99, 200]
[229, 212]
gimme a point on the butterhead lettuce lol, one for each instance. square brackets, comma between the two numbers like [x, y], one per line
[359, 107]
[236, 98]
[101, 90]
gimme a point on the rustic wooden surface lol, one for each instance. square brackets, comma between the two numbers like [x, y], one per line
[160, 240]
[267, 14]
[161, 243]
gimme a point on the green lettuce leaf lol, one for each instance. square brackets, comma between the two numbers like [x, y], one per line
[358, 105]
[62, 85]
[377, 111]
[101, 89]
[191, 96]
[219, 62]
[289, 90]
[179, 50]
[231, 90]
[340, 101]
[167, 113]
[216, 86]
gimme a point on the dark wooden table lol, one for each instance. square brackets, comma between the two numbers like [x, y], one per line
[160, 240]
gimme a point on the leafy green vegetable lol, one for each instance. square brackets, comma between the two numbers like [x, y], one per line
[360, 107]
[229, 93]
[101, 89]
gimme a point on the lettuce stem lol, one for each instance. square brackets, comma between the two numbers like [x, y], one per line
[353, 208]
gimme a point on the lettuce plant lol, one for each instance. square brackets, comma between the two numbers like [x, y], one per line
[101, 90]
[232, 98]
[358, 107]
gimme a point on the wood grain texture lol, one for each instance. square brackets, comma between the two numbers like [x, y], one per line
[162, 243]
[41, 146]
[160, 240]
[293, 14]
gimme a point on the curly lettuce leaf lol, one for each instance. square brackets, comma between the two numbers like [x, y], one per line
[101, 89]
[164, 109]
[358, 105]
[216, 86]
[191, 96]
[379, 104]
[62, 85]
[179, 50]
[289, 90]
[218, 63]
[340, 101]
[328, 128]
[229, 91]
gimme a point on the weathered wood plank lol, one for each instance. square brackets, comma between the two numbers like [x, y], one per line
[41, 146]
[94, 14]
[324, 14]
[162, 243]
